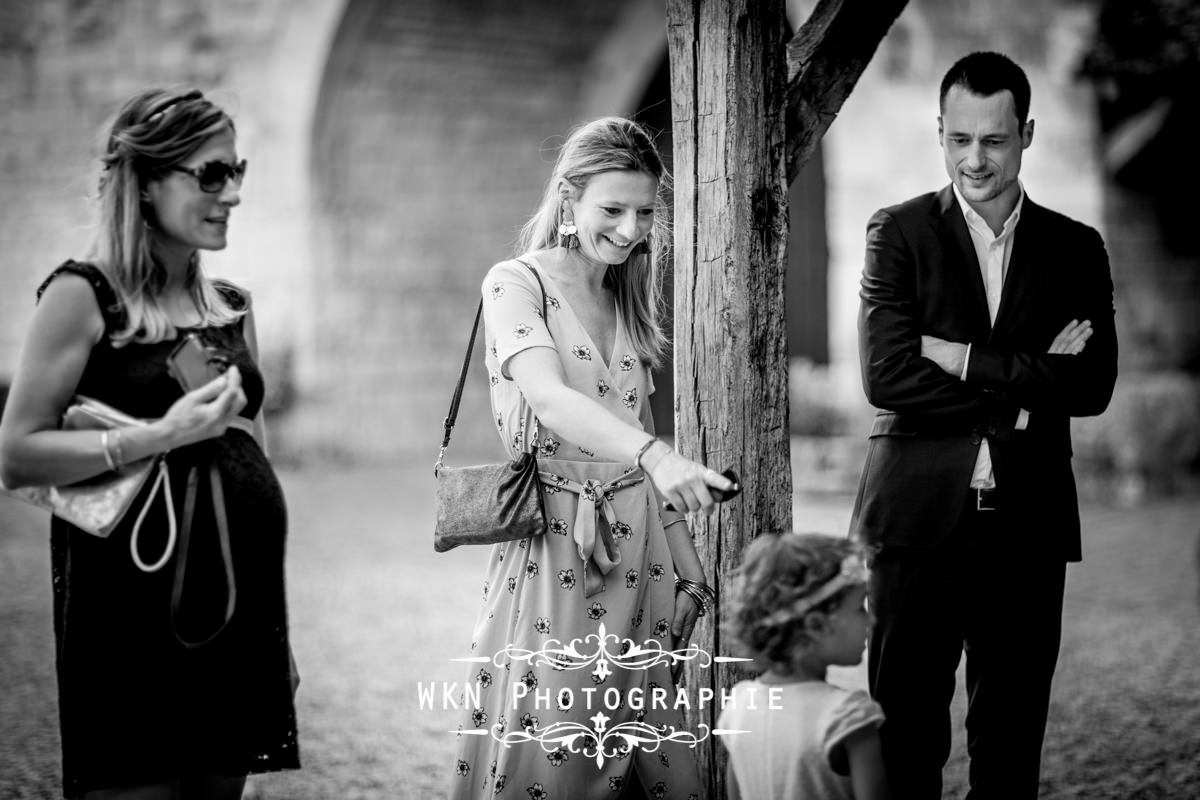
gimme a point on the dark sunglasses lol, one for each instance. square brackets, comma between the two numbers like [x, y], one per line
[213, 176]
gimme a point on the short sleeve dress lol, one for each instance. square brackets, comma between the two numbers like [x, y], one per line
[601, 579]
[136, 706]
[792, 744]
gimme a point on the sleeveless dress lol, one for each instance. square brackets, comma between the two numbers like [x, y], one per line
[601, 580]
[135, 705]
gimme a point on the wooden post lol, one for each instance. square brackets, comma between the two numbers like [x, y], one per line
[748, 109]
[728, 81]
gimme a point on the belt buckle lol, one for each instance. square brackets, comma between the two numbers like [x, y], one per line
[980, 503]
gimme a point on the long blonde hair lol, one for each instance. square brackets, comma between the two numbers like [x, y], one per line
[605, 145]
[154, 130]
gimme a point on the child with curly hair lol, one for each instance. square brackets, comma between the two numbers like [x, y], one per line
[799, 607]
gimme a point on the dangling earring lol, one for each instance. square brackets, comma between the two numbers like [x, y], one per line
[147, 209]
[568, 234]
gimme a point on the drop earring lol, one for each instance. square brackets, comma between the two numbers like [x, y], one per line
[147, 209]
[568, 234]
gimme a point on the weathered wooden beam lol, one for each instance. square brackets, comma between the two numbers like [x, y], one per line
[826, 57]
[743, 124]
[728, 77]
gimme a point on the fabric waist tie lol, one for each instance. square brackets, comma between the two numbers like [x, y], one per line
[594, 518]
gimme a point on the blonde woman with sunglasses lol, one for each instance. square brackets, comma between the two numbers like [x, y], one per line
[164, 693]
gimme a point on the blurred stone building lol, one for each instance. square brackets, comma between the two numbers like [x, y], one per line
[395, 147]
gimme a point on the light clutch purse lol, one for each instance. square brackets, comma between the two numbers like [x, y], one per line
[98, 504]
[486, 503]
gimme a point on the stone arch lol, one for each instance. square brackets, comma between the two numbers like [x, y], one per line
[631, 54]
[432, 136]
[273, 90]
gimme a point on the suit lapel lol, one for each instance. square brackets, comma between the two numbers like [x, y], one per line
[951, 230]
[1021, 273]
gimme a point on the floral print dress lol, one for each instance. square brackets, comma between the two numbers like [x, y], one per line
[565, 642]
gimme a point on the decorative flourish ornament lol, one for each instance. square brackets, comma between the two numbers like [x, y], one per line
[610, 649]
[600, 742]
[568, 234]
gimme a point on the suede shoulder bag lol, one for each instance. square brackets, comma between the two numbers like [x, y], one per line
[486, 503]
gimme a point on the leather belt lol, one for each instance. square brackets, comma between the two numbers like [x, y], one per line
[984, 499]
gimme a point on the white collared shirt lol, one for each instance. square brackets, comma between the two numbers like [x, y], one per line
[993, 253]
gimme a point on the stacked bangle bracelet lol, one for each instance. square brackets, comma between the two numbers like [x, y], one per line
[702, 593]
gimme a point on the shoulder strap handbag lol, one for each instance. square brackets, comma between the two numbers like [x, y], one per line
[486, 503]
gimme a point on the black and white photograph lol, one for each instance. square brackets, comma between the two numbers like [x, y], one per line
[625, 400]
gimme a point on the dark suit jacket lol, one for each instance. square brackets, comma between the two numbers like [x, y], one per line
[922, 277]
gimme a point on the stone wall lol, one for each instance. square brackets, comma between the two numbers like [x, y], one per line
[66, 66]
[394, 147]
[436, 129]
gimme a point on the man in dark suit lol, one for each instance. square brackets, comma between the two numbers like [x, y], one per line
[986, 324]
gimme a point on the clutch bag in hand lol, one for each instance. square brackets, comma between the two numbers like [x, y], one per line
[97, 504]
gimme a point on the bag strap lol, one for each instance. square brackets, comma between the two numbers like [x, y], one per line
[189, 507]
[452, 414]
[163, 480]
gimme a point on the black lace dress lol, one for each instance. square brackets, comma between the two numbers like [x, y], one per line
[137, 706]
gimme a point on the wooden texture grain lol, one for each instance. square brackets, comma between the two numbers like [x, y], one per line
[728, 66]
[748, 109]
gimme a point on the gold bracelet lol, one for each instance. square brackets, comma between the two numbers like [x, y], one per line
[675, 522]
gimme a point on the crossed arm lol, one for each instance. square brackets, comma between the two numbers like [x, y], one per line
[906, 369]
[952, 356]
[895, 376]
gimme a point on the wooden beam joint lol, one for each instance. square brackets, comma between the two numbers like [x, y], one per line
[826, 57]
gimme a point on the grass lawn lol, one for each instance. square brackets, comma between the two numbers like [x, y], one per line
[375, 612]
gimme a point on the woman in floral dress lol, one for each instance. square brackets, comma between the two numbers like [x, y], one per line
[566, 641]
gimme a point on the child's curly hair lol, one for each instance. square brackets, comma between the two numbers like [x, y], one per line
[778, 572]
